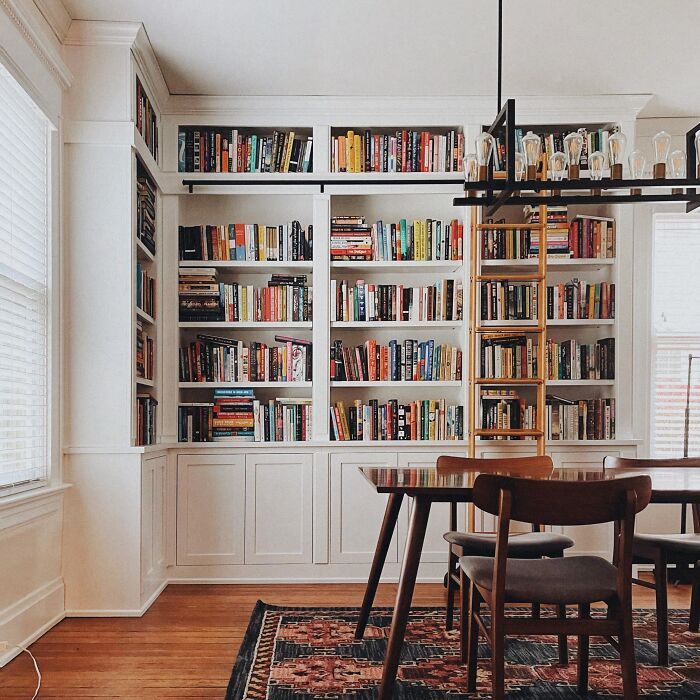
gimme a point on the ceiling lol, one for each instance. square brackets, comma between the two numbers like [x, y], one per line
[421, 47]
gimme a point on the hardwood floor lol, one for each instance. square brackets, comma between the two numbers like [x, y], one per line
[185, 645]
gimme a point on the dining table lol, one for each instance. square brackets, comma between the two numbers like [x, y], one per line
[428, 485]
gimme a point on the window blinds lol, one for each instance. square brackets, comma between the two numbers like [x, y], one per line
[675, 334]
[24, 390]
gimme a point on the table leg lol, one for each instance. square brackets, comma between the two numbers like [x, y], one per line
[391, 514]
[404, 594]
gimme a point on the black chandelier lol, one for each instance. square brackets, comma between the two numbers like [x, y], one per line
[519, 185]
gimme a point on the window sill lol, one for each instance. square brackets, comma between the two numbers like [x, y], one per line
[37, 494]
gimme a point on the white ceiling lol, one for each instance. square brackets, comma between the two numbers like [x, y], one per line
[421, 47]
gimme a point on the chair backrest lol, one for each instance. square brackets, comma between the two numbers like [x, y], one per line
[611, 462]
[561, 502]
[534, 466]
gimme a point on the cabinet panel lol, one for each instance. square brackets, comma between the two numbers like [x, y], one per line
[210, 509]
[356, 510]
[279, 511]
[435, 547]
[152, 523]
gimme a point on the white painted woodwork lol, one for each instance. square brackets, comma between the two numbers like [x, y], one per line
[210, 509]
[279, 508]
[153, 524]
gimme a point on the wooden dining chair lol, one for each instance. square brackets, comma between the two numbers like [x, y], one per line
[681, 550]
[575, 580]
[531, 545]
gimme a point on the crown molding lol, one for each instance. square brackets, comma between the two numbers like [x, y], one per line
[56, 16]
[25, 15]
[149, 69]
[95, 32]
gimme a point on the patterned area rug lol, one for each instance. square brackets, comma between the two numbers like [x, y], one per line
[304, 653]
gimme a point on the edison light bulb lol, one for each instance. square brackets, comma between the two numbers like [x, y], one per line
[596, 165]
[697, 154]
[662, 144]
[557, 165]
[616, 153]
[676, 163]
[520, 165]
[573, 145]
[637, 163]
[484, 150]
[532, 146]
[470, 167]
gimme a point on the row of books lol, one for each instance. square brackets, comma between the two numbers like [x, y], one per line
[146, 210]
[417, 420]
[404, 151]
[508, 301]
[581, 300]
[146, 119]
[145, 353]
[145, 419]
[236, 415]
[215, 359]
[585, 419]
[363, 301]
[423, 239]
[507, 357]
[209, 149]
[505, 409]
[399, 361]
[285, 242]
[145, 290]
[587, 237]
[570, 359]
[286, 298]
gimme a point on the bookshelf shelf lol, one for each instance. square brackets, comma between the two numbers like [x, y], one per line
[553, 264]
[245, 385]
[580, 382]
[581, 322]
[402, 266]
[143, 253]
[395, 384]
[251, 266]
[143, 316]
[262, 325]
[142, 381]
[532, 381]
[396, 324]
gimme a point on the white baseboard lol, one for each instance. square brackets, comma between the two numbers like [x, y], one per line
[30, 617]
[137, 612]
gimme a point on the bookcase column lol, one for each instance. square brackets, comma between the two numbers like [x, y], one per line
[322, 140]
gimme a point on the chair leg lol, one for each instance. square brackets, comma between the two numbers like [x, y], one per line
[450, 606]
[660, 582]
[473, 637]
[464, 627]
[498, 689]
[536, 611]
[695, 600]
[627, 658]
[583, 649]
[563, 639]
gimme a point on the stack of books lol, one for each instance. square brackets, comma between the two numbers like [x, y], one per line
[418, 420]
[508, 301]
[351, 238]
[287, 242]
[393, 302]
[504, 409]
[408, 360]
[584, 419]
[403, 151]
[214, 359]
[200, 295]
[146, 211]
[209, 149]
[557, 215]
[570, 359]
[145, 356]
[581, 300]
[508, 357]
[145, 291]
[145, 419]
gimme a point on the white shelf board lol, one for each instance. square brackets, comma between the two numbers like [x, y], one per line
[581, 322]
[245, 324]
[580, 382]
[398, 266]
[141, 381]
[396, 324]
[142, 252]
[244, 385]
[552, 263]
[395, 384]
[140, 313]
[250, 266]
[511, 322]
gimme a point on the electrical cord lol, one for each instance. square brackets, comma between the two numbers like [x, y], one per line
[36, 667]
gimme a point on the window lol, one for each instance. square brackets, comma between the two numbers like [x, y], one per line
[24, 289]
[675, 334]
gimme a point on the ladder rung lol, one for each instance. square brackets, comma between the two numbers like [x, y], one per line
[512, 380]
[511, 277]
[512, 432]
[509, 329]
[507, 227]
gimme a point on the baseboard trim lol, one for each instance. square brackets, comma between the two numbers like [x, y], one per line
[136, 612]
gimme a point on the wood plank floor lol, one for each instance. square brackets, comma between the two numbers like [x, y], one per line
[185, 645]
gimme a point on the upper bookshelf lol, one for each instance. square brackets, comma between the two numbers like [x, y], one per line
[227, 149]
[146, 120]
[396, 150]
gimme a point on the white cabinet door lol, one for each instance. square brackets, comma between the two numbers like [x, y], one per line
[434, 547]
[152, 523]
[279, 509]
[210, 509]
[357, 510]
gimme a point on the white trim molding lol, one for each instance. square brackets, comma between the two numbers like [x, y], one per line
[56, 16]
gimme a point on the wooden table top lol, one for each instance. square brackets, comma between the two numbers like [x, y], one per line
[669, 484]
